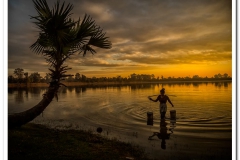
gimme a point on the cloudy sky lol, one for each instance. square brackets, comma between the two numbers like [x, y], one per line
[162, 37]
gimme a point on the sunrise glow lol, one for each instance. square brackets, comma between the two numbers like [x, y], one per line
[164, 38]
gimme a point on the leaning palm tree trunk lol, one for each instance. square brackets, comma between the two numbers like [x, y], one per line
[19, 119]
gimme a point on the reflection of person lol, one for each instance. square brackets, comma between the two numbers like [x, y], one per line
[162, 98]
[163, 135]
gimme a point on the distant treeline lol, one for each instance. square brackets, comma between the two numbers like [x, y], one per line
[19, 76]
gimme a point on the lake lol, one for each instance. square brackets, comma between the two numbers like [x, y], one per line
[202, 128]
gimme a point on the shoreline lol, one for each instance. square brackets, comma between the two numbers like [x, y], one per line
[29, 85]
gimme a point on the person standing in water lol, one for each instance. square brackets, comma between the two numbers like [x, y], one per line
[162, 98]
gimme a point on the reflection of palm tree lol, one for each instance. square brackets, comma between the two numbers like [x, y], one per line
[163, 135]
[59, 38]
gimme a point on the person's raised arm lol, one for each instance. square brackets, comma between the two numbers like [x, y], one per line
[153, 99]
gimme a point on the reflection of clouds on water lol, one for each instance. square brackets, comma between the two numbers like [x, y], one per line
[20, 99]
[203, 114]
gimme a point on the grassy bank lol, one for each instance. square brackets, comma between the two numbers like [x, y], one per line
[34, 141]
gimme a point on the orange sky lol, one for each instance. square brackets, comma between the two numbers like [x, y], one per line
[164, 38]
[178, 70]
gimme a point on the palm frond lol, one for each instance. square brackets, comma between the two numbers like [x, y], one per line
[99, 40]
[55, 23]
[60, 36]
[89, 34]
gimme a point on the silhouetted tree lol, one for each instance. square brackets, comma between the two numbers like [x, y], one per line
[196, 77]
[59, 38]
[225, 75]
[11, 79]
[26, 77]
[47, 77]
[77, 77]
[18, 72]
[35, 77]
[84, 78]
[153, 76]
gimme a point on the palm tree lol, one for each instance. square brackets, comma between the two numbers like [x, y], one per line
[59, 38]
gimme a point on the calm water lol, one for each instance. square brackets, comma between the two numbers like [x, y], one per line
[202, 129]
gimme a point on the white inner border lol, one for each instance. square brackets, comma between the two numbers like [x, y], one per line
[234, 78]
[3, 81]
[235, 87]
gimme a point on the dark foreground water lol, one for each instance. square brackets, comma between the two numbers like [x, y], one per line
[202, 129]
